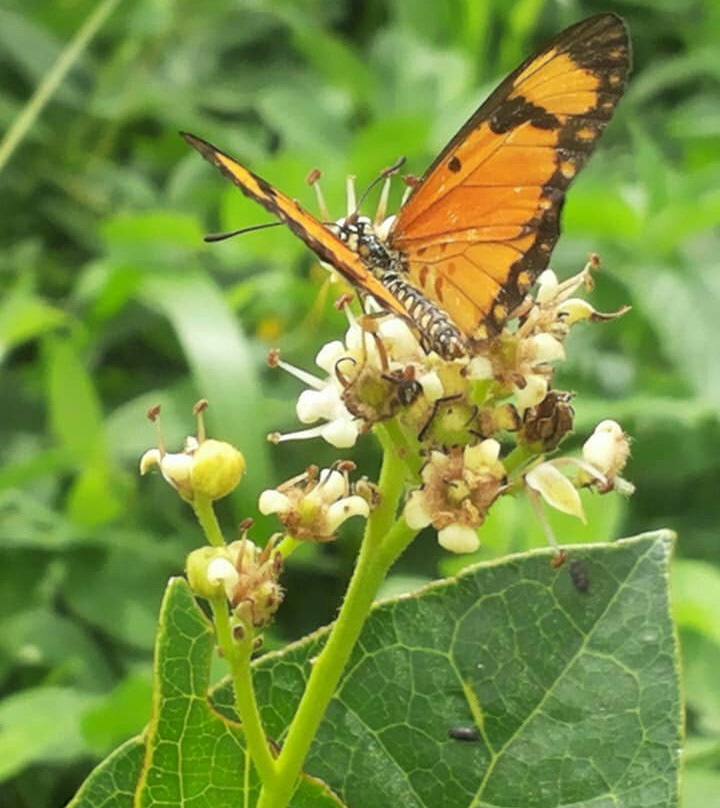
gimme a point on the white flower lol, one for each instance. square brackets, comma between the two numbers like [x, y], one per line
[365, 374]
[607, 449]
[605, 454]
[312, 506]
[459, 486]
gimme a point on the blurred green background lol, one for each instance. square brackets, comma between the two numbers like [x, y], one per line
[110, 302]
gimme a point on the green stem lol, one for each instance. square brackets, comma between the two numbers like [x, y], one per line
[519, 456]
[205, 513]
[390, 486]
[52, 79]
[237, 654]
[380, 548]
[287, 546]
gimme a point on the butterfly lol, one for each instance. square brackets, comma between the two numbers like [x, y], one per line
[480, 225]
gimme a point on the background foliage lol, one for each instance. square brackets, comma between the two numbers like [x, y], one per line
[111, 302]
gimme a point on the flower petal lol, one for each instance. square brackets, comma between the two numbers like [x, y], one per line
[555, 488]
[416, 513]
[533, 393]
[459, 539]
[343, 509]
[341, 433]
[272, 501]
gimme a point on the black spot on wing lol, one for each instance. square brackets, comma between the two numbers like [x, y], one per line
[517, 111]
[454, 164]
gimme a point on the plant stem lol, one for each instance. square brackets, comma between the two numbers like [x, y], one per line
[205, 513]
[381, 546]
[237, 654]
[52, 79]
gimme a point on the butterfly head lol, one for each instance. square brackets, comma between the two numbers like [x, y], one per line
[360, 234]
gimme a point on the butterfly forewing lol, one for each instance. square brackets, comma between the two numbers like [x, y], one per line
[325, 244]
[480, 226]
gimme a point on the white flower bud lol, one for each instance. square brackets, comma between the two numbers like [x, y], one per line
[149, 460]
[555, 488]
[459, 539]
[331, 485]
[401, 342]
[312, 405]
[176, 469]
[576, 310]
[383, 229]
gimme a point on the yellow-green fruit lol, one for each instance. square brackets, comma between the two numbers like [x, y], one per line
[217, 469]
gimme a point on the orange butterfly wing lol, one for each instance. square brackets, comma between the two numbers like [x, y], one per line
[479, 228]
[326, 245]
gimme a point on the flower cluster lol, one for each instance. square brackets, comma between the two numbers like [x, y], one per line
[481, 424]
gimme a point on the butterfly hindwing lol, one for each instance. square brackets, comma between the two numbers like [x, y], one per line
[325, 244]
[480, 227]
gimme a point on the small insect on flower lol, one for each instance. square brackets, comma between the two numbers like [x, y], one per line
[464, 734]
[579, 576]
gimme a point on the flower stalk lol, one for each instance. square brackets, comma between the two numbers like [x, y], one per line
[383, 542]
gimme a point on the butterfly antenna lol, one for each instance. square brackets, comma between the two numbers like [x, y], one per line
[313, 179]
[211, 238]
[385, 174]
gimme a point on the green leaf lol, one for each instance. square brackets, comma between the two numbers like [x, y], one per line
[193, 757]
[41, 724]
[575, 696]
[75, 412]
[76, 419]
[24, 316]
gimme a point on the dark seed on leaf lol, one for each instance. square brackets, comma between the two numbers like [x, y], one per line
[464, 733]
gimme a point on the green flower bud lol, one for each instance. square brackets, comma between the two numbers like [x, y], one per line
[217, 469]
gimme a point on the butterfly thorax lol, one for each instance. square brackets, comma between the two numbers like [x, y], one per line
[438, 332]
